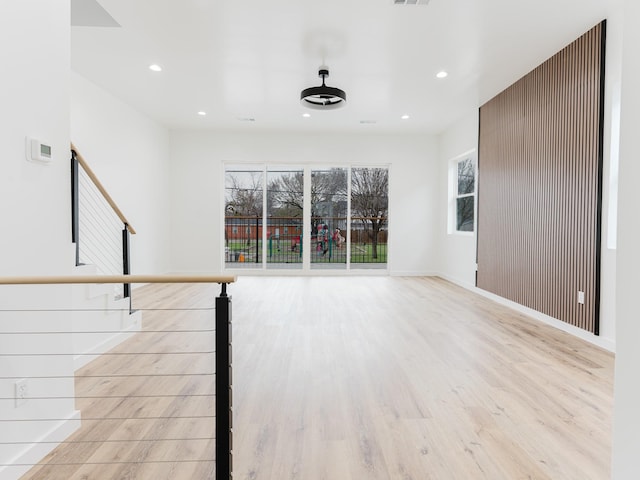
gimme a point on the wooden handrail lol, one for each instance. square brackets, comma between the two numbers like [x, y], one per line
[80, 279]
[102, 190]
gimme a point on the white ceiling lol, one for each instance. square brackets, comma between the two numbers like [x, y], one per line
[249, 59]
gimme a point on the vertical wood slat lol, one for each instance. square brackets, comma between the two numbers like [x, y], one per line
[540, 182]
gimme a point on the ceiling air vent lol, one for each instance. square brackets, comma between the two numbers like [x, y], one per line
[411, 2]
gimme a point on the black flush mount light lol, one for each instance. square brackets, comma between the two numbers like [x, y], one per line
[323, 97]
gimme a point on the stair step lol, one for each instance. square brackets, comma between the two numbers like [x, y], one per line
[94, 290]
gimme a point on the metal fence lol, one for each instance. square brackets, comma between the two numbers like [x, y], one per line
[330, 243]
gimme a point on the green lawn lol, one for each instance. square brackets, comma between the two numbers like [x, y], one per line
[282, 252]
[364, 253]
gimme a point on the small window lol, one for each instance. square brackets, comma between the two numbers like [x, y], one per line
[462, 194]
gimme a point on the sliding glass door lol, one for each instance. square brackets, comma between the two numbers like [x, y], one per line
[369, 217]
[329, 218]
[243, 202]
[285, 197]
[311, 218]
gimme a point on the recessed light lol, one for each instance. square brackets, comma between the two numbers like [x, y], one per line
[442, 74]
[155, 68]
[201, 113]
[404, 117]
[306, 115]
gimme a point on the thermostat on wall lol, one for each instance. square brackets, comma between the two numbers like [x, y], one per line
[38, 151]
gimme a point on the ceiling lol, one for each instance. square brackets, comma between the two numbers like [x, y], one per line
[245, 62]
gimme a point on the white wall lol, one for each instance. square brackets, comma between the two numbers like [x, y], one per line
[626, 429]
[197, 183]
[35, 101]
[130, 155]
[35, 215]
[457, 252]
[610, 174]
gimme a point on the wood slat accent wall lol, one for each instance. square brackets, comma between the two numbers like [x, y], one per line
[539, 185]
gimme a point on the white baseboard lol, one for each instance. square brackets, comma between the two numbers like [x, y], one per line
[602, 342]
[409, 273]
[40, 448]
[468, 286]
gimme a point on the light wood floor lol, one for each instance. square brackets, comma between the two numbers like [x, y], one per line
[357, 378]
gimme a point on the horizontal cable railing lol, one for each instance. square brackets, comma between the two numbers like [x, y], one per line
[157, 402]
[100, 229]
[103, 191]
[108, 279]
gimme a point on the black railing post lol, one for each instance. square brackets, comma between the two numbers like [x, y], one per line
[224, 388]
[75, 205]
[126, 266]
[258, 236]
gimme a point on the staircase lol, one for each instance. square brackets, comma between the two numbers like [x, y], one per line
[100, 319]
[102, 316]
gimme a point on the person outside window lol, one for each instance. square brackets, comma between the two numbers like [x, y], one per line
[337, 238]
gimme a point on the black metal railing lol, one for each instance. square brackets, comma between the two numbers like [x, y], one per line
[224, 384]
[100, 232]
[172, 377]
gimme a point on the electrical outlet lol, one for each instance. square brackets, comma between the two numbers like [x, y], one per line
[22, 391]
[580, 297]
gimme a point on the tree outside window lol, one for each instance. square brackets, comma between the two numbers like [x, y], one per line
[264, 221]
[243, 215]
[464, 173]
[370, 203]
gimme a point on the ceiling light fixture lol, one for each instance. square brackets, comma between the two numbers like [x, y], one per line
[306, 115]
[155, 68]
[201, 113]
[323, 97]
[404, 117]
[442, 74]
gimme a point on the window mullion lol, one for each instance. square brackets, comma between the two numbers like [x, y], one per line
[306, 216]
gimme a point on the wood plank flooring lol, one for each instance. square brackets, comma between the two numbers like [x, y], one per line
[354, 378]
